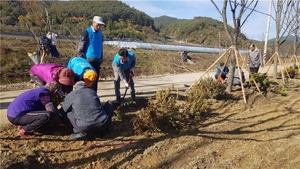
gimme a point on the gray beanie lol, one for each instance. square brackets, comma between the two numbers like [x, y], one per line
[79, 83]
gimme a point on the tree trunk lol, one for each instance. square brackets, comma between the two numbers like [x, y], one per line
[276, 59]
[231, 67]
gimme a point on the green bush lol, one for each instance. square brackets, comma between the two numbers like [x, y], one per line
[292, 72]
[162, 114]
[167, 113]
[207, 88]
[261, 80]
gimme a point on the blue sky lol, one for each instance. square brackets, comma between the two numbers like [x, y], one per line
[254, 28]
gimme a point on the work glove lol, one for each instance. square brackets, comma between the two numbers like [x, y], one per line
[126, 84]
[131, 74]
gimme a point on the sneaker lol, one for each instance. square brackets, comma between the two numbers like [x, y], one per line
[23, 134]
[77, 136]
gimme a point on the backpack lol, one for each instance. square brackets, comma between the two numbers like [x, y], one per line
[45, 43]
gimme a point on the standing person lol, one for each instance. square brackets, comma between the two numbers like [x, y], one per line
[33, 109]
[255, 59]
[90, 46]
[85, 112]
[221, 73]
[123, 65]
[84, 71]
[48, 72]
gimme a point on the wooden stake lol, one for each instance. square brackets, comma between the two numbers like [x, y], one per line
[240, 75]
[209, 68]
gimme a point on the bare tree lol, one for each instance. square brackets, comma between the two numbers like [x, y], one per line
[238, 9]
[37, 17]
[286, 12]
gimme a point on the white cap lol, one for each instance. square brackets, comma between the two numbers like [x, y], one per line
[98, 20]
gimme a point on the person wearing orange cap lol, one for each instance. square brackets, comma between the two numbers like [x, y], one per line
[84, 71]
[48, 72]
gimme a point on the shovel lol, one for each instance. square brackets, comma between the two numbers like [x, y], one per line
[126, 88]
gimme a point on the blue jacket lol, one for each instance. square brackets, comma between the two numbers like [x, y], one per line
[127, 65]
[93, 48]
[79, 66]
[219, 69]
[26, 102]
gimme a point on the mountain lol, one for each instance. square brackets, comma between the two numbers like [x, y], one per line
[69, 18]
[199, 30]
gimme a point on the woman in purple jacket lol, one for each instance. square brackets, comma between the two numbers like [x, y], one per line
[33, 109]
[49, 72]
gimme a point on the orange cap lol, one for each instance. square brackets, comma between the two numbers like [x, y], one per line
[89, 77]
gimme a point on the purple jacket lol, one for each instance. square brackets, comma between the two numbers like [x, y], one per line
[46, 71]
[26, 102]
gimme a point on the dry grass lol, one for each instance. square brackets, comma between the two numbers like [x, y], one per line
[15, 63]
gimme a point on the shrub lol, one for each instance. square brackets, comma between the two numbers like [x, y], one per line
[280, 90]
[261, 80]
[162, 114]
[167, 113]
[207, 88]
[292, 72]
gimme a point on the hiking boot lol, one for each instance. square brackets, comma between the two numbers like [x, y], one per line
[78, 136]
[23, 134]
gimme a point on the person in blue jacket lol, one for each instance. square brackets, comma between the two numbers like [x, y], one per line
[123, 65]
[84, 71]
[221, 73]
[90, 46]
[35, 108]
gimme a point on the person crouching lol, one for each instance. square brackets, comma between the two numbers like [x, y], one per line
[85, 112]
[33, 109]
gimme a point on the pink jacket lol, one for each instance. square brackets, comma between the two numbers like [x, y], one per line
[46, 71]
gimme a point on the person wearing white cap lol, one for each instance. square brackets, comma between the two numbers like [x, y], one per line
[90, 46]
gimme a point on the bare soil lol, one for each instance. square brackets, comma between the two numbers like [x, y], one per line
[264, 133]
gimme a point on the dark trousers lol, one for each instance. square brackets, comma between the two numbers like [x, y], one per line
[108, 108]
[253, 70]
[117, 84]
[31, 121]
[96, 63]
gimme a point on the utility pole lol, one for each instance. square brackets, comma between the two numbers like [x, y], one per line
[267, 32]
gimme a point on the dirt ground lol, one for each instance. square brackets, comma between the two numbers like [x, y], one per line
[264, 133]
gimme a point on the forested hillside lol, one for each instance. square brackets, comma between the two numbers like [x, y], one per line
[69, 18]
[200, 30]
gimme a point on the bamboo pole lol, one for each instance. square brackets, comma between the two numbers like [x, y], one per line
[253, 79]
[209, 68]
[240, 75]
[284, 68]
[269, 61]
